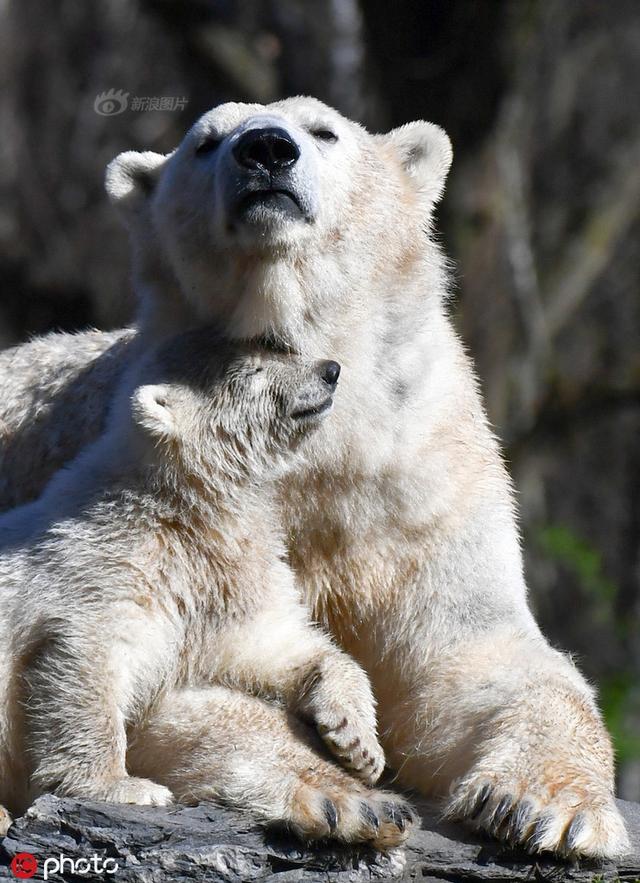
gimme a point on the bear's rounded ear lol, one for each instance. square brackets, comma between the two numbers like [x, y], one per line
[131, 178]
[151, 409]
[425, 152]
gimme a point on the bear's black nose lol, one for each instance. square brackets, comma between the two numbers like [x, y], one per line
[330, 371]
[270, 149]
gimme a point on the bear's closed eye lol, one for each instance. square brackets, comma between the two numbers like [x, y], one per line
[324, 135]
[208, 145]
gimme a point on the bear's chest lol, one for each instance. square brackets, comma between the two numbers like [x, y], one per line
[350, 551]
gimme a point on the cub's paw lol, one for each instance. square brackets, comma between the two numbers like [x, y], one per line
[568, 821]
[353, 743]
[143, 792]
[337, 698]
[351, 814]
[5, 821]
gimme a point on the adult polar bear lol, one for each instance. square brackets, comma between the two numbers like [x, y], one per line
[290, 222]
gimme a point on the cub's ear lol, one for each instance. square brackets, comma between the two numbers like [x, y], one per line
[131, 179]
[152, 410]
[425, 152]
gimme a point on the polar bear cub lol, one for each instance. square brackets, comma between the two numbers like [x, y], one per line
[154, 561]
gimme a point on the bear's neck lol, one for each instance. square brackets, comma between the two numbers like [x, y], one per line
[208, 500]
[312, 303]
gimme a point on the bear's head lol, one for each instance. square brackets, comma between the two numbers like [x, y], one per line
[215, 411]
[271, 218]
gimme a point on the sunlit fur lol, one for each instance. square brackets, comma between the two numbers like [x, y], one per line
[155, 563]
[399, 517]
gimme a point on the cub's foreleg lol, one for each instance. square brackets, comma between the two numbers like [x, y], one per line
[282, 654]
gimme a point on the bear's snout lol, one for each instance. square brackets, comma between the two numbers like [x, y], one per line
[270, 149]
[329, 372]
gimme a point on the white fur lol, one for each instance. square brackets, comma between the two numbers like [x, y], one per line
[400, 517]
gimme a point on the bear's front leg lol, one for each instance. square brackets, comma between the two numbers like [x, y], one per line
[543, 775]
[508, 732]
[75, 724]
[282, 654]
[474, 706]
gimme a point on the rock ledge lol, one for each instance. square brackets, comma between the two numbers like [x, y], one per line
[210, 843]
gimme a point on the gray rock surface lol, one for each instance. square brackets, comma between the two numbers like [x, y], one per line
[209, 843]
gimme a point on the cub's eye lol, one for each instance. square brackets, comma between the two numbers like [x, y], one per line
[208, 146]
[325, 135]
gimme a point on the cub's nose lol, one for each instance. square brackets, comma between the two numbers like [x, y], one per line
[270, 150]
[330, 371]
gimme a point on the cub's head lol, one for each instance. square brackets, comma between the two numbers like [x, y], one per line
[213, 410]
[255, 190]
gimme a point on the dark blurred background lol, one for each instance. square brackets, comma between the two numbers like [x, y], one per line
[542, 216]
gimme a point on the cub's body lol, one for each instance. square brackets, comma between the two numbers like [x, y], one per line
[155, 565]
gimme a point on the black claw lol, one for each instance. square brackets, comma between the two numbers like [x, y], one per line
[369, 815]
[330, 814]
[408, 813]
[537, 835]
[573, 831]
[481, 800]
[519, 821]
[502, 811]
[394, 814]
